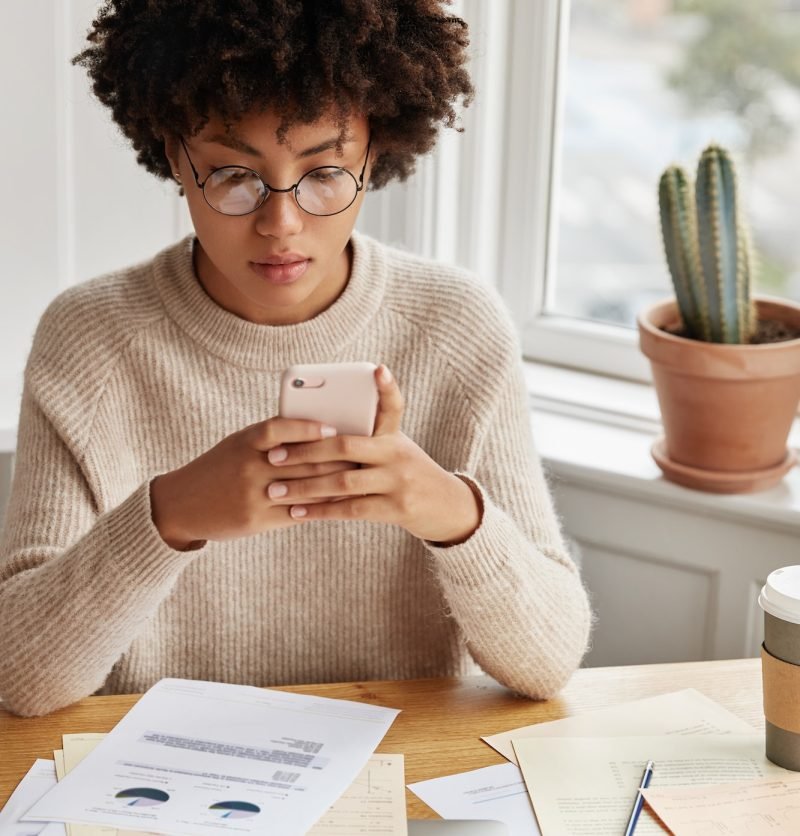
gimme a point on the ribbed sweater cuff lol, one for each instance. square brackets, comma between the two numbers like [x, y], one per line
[135, 545]
[484, 554]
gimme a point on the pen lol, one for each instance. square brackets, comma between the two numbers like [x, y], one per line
[637, 805]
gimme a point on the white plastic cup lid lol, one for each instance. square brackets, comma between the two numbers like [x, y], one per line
[780, 595]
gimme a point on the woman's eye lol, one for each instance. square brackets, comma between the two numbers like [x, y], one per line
[230, 178]
[233, 176]
[326, 175]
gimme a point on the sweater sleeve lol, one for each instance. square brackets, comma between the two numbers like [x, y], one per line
[512, 587]
[76, 587]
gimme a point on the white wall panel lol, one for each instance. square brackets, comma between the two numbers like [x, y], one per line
[74, 203]
[28, 205]
[755, 618]
[122, 213]
[668, 583]
[648, 610]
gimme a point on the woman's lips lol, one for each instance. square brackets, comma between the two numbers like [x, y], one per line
[285, 273]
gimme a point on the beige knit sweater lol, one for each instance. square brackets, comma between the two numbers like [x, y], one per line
[136, 373]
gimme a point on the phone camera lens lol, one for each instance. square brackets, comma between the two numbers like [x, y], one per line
[298, 383]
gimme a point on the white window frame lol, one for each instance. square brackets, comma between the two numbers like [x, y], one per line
[538, 59]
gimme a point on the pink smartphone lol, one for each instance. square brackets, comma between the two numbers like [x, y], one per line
[343, 395]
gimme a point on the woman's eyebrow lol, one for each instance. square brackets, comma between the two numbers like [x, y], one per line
[322, 146]
[237, 144]
[230, 141]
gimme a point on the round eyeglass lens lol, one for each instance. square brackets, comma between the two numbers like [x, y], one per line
[326, 190]
[234, 190]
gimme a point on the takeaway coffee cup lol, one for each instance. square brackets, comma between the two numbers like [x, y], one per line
[780, 663]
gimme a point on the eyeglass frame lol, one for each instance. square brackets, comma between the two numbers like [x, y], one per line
[268, 190]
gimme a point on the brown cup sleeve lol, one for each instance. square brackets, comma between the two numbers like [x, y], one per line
[781, 684]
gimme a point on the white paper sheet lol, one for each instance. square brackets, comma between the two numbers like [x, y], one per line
[40, 778]
[586, 786]
[493, 792]
[195, 757]
[679, 712]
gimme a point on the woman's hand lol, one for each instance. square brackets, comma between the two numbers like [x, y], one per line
[397, 482]
[222, 494]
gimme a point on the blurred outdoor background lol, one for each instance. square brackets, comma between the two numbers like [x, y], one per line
[651, 82]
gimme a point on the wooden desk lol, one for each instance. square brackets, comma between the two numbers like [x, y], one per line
[442, 720]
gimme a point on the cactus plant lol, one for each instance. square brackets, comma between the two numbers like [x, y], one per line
[707, 245]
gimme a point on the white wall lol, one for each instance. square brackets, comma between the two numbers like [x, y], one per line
[74, 202]
[28, 205]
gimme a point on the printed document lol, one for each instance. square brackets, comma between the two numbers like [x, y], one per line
[586, 786]
[200, 757]
[374, 803]
[754, 808]
[681, 712]
[494, 792]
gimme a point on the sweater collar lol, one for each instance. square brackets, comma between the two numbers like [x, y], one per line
[271, 347]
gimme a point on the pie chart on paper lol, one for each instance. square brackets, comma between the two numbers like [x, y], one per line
[142, 797]
[235, 809]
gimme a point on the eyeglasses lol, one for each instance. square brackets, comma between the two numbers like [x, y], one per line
[238, 190]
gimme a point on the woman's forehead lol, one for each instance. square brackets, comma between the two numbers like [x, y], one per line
[259, 131]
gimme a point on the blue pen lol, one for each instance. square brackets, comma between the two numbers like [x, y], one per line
[637, 805]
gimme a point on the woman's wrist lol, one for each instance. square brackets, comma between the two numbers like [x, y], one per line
[163, 518]
[470, 517]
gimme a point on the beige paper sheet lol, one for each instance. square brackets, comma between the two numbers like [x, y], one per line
[58, 757]
[586, 786]
[77, 747]
[680, 712]
[374, 803]
[753, 808]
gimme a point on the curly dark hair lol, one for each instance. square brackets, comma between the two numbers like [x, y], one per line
[164, 67]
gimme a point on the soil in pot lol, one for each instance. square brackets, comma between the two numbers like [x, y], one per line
[768, 331]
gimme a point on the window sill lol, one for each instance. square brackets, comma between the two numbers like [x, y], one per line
[597, 432]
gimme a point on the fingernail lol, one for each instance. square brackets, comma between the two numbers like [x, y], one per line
[386, 375]
[277, 489]
[327, 432]
[277, 454]
[298, 511]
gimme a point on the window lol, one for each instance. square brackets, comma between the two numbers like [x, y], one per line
[639, 84]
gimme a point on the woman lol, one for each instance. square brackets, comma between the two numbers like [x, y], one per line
[163, 520]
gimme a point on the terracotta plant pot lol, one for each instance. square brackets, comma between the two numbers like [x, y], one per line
[727, 409]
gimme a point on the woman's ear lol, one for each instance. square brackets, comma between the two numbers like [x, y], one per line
[172, 148]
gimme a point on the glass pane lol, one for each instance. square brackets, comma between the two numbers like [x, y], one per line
[651, 82]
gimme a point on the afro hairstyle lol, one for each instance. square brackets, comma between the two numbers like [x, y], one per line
[164, 67]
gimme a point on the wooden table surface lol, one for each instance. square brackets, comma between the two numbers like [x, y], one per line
[441, 721]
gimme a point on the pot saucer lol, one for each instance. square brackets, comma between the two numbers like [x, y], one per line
[721, 481]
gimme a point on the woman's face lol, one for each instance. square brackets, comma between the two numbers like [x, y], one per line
[278, 264]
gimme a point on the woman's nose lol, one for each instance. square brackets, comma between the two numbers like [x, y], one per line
[279, 215]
